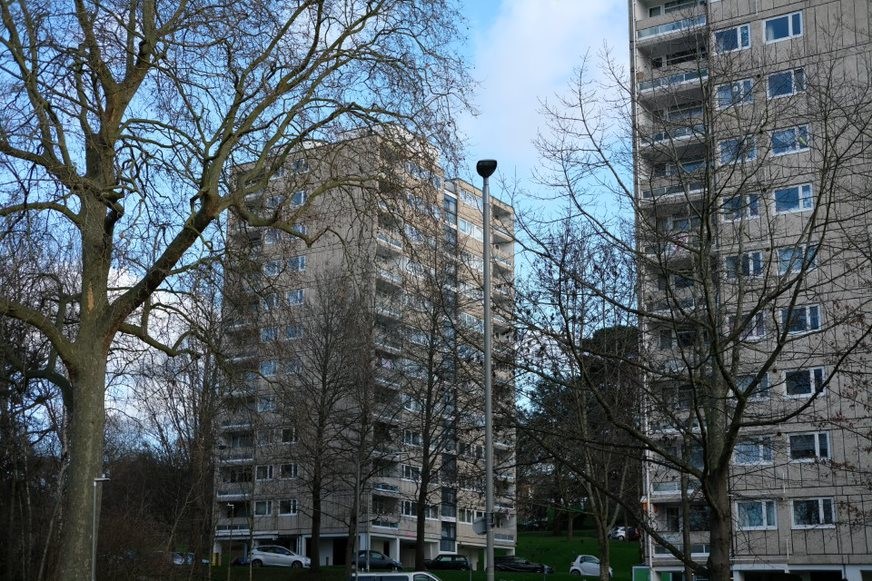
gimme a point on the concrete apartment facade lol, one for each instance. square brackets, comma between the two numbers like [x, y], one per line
[752, 179]
[410, 243]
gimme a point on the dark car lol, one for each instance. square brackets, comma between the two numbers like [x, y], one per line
[377, 561]
[444, 561]
[518, 564]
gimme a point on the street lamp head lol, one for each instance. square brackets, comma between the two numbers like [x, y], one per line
[486, 167]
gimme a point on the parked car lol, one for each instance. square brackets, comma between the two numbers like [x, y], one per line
[516, 563]
[586, 566]
[377, 561]
[277, 556]
[410, 576]
[448, 561]
[618, 533]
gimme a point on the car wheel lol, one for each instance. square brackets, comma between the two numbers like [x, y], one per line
[575, 573]
[296, 565]
[256, 563]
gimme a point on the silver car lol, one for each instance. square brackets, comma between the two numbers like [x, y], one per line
[586, 566]
[277, 556]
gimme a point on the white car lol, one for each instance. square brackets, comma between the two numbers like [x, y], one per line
[277, 556]
[586, 566]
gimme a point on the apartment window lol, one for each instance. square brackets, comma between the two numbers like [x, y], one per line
[293, 332]
[300, 166]
[793, 198]
[298, 198]
[271, 237]
[288, 506]
[409, 508]
[470, 229]
[739, 149]
[268, 334]
[411, 472]
[751, 451]
[750, 329]
[655, 11]
[805, 447]
[291, 470]
[431, 511]
[266, 404]
[756, 515]
[783, 27]
[785, 83]
[262, 508]
[790, 140]
[796, 258]
[272, 268]
[411, 403]
[803, 382]
[297, 263]
[745, 385]
[741, 206]
[412, 438]
[295, 297]
[264, 472]
[735, 93]
[735, 38]
[801, 319]
[289, 436]
[269, 367]
[749, 264]
[813, 512]
[269, 302]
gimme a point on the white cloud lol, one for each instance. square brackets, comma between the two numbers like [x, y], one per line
[525, 53]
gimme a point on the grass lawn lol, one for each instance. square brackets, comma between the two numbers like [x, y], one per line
[558, 552]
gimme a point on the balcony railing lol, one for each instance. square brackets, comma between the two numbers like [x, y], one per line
[671, 27]
[675, 80]
[676, 133]
[689, 188]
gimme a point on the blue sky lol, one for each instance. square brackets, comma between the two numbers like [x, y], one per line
[522, 51]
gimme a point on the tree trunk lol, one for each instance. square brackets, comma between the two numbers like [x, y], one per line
[602, 539]
[87, 418]
[420, 522]
[316, 516]
[720, 525]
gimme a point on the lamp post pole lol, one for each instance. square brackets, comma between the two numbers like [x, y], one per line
[99, 480]
[485, 169]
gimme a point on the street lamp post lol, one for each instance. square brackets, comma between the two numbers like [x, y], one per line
[486, 168]
[99, 480]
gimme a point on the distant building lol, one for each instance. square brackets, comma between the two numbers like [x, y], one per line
[408, 239]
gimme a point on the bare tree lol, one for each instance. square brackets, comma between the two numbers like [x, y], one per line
[121, 123]
[743, 207]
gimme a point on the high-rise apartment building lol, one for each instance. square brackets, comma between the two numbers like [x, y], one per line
[752, 164]
[354, 341]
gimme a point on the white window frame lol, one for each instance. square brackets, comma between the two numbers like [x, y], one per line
[290, 435]
[801, 140]
[809, 315]
[296, 297]
[804, 198]
[749, 207]
[412, 473]
[294, 471]
[795, 87]
[411, 403]
[267, 505]
[792, 264]
[746, 154]
[822, 502]
[791, 33]
[764, 506]
[755, 332]
[266, 403]
[741, 93]
[269, 367]
[763, 445]
[263, 472]
[412, 438]
[818, 438]
[751, 261]
[739, 38]
[294, 506]
[294, 332]
[297, 263]
[272, 268]
[409, 508]
[298, 198]
[816, 378]
[268, 334]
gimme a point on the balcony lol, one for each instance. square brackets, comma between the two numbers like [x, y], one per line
[673, 134]
[389, 242]
[688, 190]
[385, 488]
[674, 81]
[236, 456]
[386, 522]
[670, 28]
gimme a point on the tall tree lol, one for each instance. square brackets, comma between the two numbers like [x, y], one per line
[121, 124]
